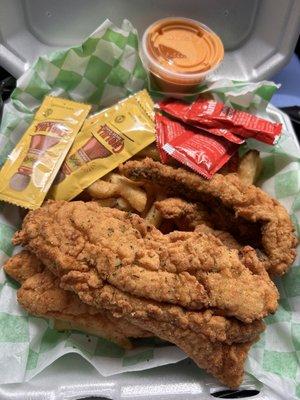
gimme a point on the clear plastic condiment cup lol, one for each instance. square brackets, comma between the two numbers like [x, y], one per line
[179, 53]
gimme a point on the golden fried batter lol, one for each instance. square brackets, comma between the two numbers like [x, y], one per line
[189, 216]
[190, 269]
[119, 265]
[250, 214]
[41, 295]
[23, 266]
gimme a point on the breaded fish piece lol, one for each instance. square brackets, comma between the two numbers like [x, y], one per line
[245, 211]
[41, 295]
[35, 294]
[23, 266]
[208, 343]
[188, 216]
[193, 270]
[115, 262]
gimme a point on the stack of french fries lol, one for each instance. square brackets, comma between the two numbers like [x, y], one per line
[116, 191]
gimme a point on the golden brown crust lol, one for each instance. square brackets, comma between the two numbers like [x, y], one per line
[122, 267]
[190, 269]
[246, 204]
[22, 266]
[213, 341]
[208, 339]
[41, 295]
[189, 216]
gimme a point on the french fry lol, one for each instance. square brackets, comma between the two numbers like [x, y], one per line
[115, 185]
[249, 167]
[110, 202]
[151, 196]
[123, 205]
[135, 196]
[103, 190]
[153, 216]
[121, 180]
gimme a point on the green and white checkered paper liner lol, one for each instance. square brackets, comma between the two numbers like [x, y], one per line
[101, 71]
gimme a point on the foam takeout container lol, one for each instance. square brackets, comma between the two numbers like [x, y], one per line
[71, 377]
[259, 39]
[259, 35]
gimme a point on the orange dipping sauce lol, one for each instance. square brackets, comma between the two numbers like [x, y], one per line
[180, 52]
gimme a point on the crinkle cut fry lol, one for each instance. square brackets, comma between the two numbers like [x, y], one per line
[189, 269]
[246, 201]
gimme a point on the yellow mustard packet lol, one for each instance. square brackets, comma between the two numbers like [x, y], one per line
[33, 164]
[106, 140]
[146, 103]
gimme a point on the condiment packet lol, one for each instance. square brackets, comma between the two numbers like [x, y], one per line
[197, 149]
[32, 166]
[106, 140]
[165, 132]
[180, 110]
[238, 122]
[145, 102]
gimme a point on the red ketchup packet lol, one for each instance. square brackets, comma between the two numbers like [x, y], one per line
[161, 137]
[166, 131]
[180, 110]
[197, 149]
[238, 122]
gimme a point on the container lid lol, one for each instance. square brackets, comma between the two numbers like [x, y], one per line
[259, 36]
[181, 45]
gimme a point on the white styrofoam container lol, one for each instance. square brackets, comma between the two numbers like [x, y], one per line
[259, 35]
[71, 377]
[259, 38]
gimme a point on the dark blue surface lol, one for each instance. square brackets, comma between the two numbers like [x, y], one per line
[289, 77]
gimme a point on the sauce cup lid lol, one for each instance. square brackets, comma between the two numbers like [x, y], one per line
[181, 49]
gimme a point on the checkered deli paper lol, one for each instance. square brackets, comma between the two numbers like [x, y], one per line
[102, 70]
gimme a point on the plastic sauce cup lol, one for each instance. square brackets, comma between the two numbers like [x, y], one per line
[179, 53]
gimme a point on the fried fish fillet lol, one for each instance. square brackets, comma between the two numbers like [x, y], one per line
[245, 211]
[41, 295]
[86, 246]
[191, 216]
[213, 342]
[188, 216]
[224, 361]
[189, 269]
[23, 266]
